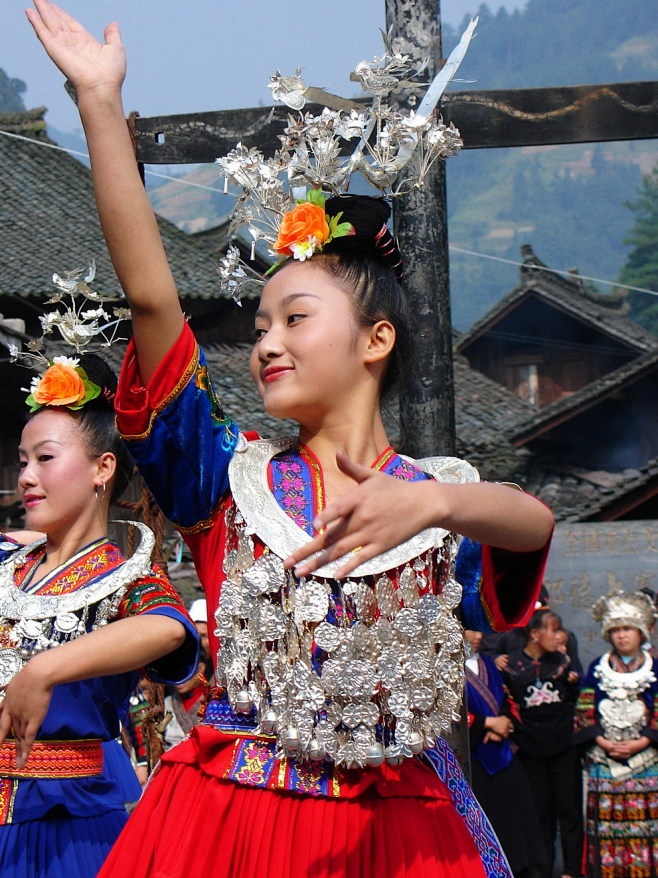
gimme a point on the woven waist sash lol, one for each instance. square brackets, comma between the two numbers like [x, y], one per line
[54, 759]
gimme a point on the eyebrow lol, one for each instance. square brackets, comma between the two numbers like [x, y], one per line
[21, 450]
[287, 300]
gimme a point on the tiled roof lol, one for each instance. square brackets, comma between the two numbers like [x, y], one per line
[48, 220]
[571, 295]
[485, 413]
[575, 494]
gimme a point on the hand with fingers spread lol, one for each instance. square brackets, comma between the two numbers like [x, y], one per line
[87, 63]
[379, 513]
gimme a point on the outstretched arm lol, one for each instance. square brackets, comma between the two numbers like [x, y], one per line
[125, 645]
[382, 512]
[97, 71]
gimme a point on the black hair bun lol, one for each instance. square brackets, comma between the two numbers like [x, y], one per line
[98, 372]
[372, 237]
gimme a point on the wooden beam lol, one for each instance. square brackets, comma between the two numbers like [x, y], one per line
[486, 119]
[427, 410]
[570, 114]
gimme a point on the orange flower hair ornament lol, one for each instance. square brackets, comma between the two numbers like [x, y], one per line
[64, 384]
[306, 228]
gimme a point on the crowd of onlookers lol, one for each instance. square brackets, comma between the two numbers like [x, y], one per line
[566, 758]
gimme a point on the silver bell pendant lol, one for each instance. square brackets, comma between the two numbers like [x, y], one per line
[269, 723]
[375, 755]
[393, 755]
[292, 740]
[316, 751]
[416, 743]
[243, 702]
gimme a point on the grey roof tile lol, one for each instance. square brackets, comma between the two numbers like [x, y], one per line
[49, 222]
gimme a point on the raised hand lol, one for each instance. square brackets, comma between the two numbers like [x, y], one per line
[87, 63]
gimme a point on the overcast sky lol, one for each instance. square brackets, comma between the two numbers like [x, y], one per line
[194, 55]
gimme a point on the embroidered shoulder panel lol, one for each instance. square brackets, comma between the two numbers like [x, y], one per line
[31, 622]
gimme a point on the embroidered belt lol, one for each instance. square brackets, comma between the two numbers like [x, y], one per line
[54, 759]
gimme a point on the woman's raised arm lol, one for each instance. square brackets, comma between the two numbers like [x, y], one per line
[97, 71]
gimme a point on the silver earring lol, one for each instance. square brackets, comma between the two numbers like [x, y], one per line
[96, 487]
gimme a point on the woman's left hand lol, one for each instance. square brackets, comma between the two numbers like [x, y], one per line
[24, 707]
[379, 513]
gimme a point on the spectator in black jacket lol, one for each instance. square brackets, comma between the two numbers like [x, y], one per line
[544, 687]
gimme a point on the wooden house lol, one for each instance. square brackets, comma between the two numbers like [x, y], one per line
[551, 335]
[593, 456]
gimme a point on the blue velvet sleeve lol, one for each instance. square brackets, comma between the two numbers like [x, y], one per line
[181, 664]
[468, 572]
[185, 453]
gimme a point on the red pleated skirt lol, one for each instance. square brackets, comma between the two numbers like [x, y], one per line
[191, 824]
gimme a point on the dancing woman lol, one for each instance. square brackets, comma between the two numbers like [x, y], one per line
[336, 668]
[65, 672]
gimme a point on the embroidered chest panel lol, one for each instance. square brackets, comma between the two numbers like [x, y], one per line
[353, 671]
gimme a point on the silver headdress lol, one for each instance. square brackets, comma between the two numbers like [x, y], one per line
[84, 321]
[282, 197]
[634, 609]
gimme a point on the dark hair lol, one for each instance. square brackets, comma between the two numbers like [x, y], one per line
[538, 620]
[96, 420]
[369, 264]
[98, 423]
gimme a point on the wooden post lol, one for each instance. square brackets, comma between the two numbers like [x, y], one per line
[427, 400]
[427, 396]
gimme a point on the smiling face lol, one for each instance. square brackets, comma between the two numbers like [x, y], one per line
[626, 639]
[57, 475]
[310, 355]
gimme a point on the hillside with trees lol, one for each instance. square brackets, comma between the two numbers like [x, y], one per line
[11, 91]
[571, 203]
[641, 268]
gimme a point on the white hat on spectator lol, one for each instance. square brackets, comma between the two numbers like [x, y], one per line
[198, 610]
[633, 609]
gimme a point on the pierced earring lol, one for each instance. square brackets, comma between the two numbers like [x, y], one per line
[100, 496]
